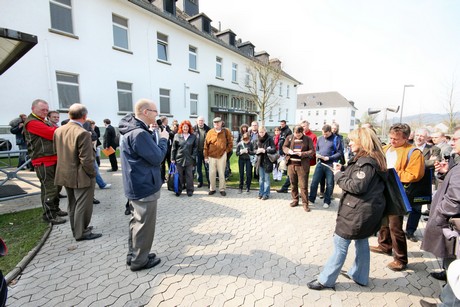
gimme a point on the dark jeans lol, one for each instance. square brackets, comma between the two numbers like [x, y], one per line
[245, 165]
[163, 165]
[413, 219]
[286, 184]
[49, 191]
[199, 168]
[320, 172]
[113, 161]
[391, 236]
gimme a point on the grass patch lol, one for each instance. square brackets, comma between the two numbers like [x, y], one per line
[21, 232]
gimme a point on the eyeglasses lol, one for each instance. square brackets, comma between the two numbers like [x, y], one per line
[156, 111]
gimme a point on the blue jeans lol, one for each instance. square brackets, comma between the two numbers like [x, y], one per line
[413, 219]
[320, 172]
[100, 182]
[264, 182]
[359, 272]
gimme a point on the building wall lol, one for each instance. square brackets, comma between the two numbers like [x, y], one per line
[100, 66]
[342, 117]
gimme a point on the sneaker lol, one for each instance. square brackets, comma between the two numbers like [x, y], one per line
[107, 186]
[424, 303]
[325, 206]
[396, 266]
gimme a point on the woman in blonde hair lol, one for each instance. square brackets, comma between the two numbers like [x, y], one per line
[360, 210]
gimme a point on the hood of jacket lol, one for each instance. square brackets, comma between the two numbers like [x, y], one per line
[129, 123]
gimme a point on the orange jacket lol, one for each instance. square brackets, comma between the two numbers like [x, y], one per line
[216, 144]
[412, 170]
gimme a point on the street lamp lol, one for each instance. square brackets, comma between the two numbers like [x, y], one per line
[402, 103]
[371, 111]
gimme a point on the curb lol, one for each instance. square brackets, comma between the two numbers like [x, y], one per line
[25, 261]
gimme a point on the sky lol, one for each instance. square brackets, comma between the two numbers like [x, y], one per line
[366, 50]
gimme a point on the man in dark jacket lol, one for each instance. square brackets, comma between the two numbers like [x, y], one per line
[109, 141]
[17, 126]
[200, 130]
[141, 158]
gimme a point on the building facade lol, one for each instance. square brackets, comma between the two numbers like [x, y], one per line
[107, 54]
[326, 108]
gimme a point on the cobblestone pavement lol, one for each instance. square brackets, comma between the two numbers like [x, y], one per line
[215, 251]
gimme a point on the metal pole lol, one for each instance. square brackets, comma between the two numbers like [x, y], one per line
[402, 103]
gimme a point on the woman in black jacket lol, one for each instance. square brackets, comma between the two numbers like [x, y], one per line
[265, 146]
[360, 211]
[183, 153]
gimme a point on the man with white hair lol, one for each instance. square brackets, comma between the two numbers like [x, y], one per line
[141, 158]
[439, 139]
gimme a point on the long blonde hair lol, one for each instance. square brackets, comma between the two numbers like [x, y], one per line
[369, 146]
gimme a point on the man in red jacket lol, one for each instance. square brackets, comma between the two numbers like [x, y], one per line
[39, 136]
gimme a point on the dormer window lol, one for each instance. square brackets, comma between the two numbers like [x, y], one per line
[170, 6]
[319, 103]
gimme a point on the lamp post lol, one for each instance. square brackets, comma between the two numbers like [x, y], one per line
[371, 111]
[402, 103]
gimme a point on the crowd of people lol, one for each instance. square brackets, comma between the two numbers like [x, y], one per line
[68, 156]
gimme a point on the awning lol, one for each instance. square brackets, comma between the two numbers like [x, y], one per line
[13, 45]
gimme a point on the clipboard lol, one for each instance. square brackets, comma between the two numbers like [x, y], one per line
[108, 151]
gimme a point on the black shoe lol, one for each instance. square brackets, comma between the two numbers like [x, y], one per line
[248, 190]
[211, 192]
[424, 303]
[315, 285]
[199, 185]
[345, 274]
[426, 212]
[61, 213]
[127, 211]
[223, 193]
[91, 236]
[150, 264]
[95, 201]
[56, 220]
[259, 197]
[281, 191]
[411, 237]
[62, 195]
[111, 170]
[189, 194]
[425, 218]
[178, 194]
[321, 195]
[439, 275]
[129, 257]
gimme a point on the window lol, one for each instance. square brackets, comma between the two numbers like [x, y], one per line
[125, 96]
[218, 67]
[68, 89]
[234, 72]
[221, 100]
[247, 77]
[333, 112]
[309, 113]
[353, 113]
[192, 58]
[287, 113]
[165, 101]
[61, 15]
[287, 90]
[193, 104]
[325, 112]
[281, 89]
[120, 32]
[317, 113]
[162, 47]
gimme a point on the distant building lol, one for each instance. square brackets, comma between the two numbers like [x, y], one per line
[107, 54]
[326, 108]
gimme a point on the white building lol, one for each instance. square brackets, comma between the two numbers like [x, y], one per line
[107, 54]
[326, 108]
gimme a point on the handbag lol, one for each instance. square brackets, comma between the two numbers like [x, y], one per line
[173, 178]
[419, 193]
[273, 157]
[396, 199]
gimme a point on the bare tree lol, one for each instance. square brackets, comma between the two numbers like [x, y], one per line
[451, 102]
[261, 83]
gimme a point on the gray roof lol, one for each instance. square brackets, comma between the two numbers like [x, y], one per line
[323, 100]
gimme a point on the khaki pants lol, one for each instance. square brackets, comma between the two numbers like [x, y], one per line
[219, 166]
